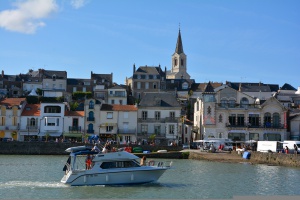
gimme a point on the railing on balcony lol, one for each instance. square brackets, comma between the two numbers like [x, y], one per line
[152, 120]
[90, 131]
[90, 118]
[117, 95]
[76, 129]
[127, 131]
[29, 127]
[249, 125]
[237, 106]
[172, 119]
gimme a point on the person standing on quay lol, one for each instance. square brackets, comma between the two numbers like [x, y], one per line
[295, 149]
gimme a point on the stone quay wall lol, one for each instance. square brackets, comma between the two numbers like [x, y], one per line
[53, 148]
[281, 159]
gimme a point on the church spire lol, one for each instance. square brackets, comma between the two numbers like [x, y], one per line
[179, 48]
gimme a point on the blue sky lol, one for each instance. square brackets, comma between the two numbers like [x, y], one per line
[233, 40]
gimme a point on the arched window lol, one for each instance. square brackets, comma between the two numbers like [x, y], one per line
[231, 103]
[224, 103]
[32, 122]
[267, 120]
[91, 116]
[91, 104]
[276, 120]
[90, 128]
[175, 61]
[244, 102]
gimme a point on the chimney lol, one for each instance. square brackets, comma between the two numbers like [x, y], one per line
[2, 73]
[133, 68]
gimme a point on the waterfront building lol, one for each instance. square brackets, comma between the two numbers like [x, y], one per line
[228, 113]
[118, 123]
[30, 122]
[73, 128]
[92, 117]
[117, 95]
[10, 112]
[159, 116]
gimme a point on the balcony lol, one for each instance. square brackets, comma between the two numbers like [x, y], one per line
[127, 131]
[116, 95]
[151, 120]
[75, 129]
[90, 119]
[261, 126]
[237, 106]
[90, 131]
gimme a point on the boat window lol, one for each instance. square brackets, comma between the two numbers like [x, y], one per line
[119, 164]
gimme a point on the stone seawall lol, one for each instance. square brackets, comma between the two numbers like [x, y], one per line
[53, 148]
[289, 160]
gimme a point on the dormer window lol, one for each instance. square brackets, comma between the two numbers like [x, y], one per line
[54, 77]
[185, 85]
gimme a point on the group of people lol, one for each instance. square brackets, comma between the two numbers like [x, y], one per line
[286, 149]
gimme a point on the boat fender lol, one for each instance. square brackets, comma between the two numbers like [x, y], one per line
[151, 163]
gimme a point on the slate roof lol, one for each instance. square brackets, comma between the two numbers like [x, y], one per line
[287, 86]
[31, 110]
[179, 47]
[154, 70]
[117, 107]
[77, 81]
[253, 87]
[162, 99]
[200, 87]
[171, 84]
[9, 102]
[99, 77]
[58, 74]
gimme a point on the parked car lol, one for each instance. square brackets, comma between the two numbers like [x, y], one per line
[137, 150]
[185, 146]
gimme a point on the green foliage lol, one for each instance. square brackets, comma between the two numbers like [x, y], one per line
[81, 95]
[73, 105]
[39, 91]
[52, 99]
[152, 137]
[32, 99]
[185, 155]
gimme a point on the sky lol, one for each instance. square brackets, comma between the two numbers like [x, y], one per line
[232, 40]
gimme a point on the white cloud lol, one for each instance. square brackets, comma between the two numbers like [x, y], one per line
[26, 18]
[78, 3]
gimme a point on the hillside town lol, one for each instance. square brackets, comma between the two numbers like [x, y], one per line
[156, 106]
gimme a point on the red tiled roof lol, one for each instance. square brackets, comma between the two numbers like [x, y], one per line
[12, 101]
[74, 113]
[31, 110]
[117, 107]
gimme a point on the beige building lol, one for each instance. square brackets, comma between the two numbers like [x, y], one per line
[228, 113]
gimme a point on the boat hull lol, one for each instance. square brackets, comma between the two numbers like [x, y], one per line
[114, 177]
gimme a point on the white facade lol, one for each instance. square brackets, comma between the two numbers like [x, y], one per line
[74, 125]
[234, 115]
[117, 95]
[52, 119]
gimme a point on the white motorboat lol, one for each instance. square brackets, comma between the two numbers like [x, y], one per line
[113, 168]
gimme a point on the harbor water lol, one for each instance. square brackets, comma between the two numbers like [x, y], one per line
[38, 177]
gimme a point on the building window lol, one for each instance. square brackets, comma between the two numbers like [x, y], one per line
[146, 85]
[231, 119]
[172, 115]
[157, 115]
[138, 85]
[91, 105]
[171, 129]
[253, 120]
[109, 115]
[144, 129]
[157, 129]
[276, 120]
[52, 109]
[112, 101]
[231, 103]
[84, 89]
[91, 116]
[154, 86]
[50, 121]
[144, 115]
[244, 103]
[32, 122]
[240, 120]
[267, 120]
[175, 61]
[54, 77]
[220, 118]
[109, 128]
[121, 102]
[223, 103]
[182, 62]
[90, 128]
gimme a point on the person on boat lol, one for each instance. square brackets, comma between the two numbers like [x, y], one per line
[88, 162]
[143, 161]
[96, 149]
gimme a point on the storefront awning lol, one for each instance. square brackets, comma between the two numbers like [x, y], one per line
[72, 135]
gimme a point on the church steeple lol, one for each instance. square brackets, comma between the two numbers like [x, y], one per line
[179, 47]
